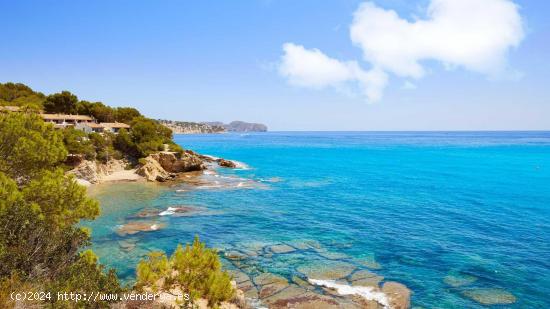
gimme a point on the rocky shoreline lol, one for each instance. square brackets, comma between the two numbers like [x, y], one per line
[160, 167]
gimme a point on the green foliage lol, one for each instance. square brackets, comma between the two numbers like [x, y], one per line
[83, 276]
[196, 270]
[149, 271]
[62, 103]
[124, 143]
[28, 145]
[149, 136]
[40, 209]
[98, 110]
[60, 200]
[38, 236]
[77, 142]
[20, 95]
[126, 114]
[104, 148]
[104, 113]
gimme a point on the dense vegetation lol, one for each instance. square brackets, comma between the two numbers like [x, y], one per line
[145, 136]
[20, 95]
[195, 270]
[42, 246]
[40, 208]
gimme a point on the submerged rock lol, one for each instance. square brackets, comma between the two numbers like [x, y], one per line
[369, 262]
[270, 284]
[306, 245]
[135, 227]
[289, 292]
[147, 213]
[368, 282]
[308, 300]
[128, 244]
[269, 278]
[458, 280]
[362, 274]
[329, 270]
[490, 296]
[365, 278]
[333, 255]
[234, 255]
[279, 249]
[302, 283]
[179, 211]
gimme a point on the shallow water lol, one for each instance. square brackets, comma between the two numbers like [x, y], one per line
[442, 212]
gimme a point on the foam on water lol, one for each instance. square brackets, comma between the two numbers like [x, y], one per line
[168, 212]
[367, 293]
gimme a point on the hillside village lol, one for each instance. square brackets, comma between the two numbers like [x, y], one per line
[85, 123]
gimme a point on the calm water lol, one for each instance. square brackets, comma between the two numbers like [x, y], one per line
[422, 205]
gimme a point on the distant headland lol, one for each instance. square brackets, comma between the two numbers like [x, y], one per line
[185, 127]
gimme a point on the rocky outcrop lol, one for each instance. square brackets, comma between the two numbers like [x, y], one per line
[399, 295]
[152, 170]
[226, 163]
[171, 162]
[163, 166]
[95, 172]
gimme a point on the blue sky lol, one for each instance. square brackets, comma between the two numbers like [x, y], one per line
[221, 60]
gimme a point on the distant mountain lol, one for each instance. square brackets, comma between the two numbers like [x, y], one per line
[185, 127]
[240, 126]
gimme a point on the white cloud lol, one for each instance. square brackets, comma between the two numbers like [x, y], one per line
[312, 68]
[472, 34]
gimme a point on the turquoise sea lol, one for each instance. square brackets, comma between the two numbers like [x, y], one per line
[441, 212]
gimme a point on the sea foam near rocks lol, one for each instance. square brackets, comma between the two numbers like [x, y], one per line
[168, 212]
[368, 293]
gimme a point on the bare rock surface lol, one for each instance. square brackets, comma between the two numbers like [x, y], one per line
[186, 162]
[226, 163]
[398, 294]
[152, 170]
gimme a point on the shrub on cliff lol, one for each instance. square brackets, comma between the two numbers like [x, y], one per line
[195, 269]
